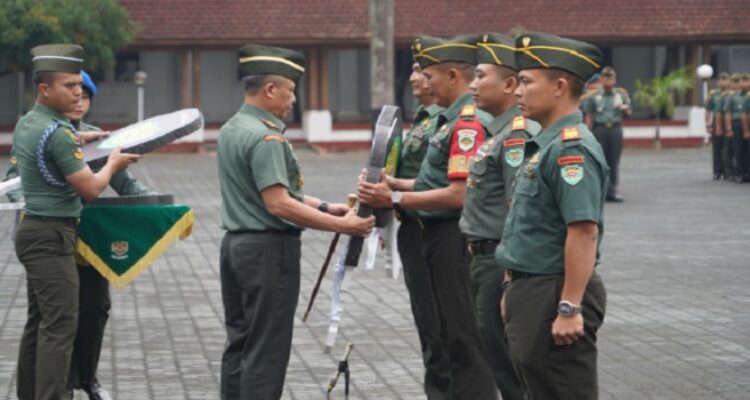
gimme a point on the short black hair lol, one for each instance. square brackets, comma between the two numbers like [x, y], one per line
[466, 69]
[44, 77]
[576, 84]
[254, 83]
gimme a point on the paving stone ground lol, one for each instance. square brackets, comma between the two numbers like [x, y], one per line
[675, 259]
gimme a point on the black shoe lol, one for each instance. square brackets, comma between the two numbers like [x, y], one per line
[717, 177]
[614, 198]
[95, 392]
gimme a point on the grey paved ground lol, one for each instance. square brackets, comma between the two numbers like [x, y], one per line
[676, 261]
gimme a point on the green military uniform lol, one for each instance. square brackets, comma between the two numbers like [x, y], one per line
[459, 133]
[488, 187]
[46, 238]
[416, 274]
[717, 141]
[727, 151]
[607, 127]
[94, 299]
[260, 253]
[735, 105]
[562, 180]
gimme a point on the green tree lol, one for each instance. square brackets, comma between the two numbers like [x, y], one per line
[659, 94]
[100, 26]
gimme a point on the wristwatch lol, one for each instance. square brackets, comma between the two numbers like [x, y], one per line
[323, 206]
[396, 198]
[568, 309]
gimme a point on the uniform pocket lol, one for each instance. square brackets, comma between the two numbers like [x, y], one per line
[527, 186]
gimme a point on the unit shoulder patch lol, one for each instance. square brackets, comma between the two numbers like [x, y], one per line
[467, 138]
[572, 173]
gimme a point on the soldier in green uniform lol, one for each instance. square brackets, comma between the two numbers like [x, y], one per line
[264, 211]
[727, 151]
[94, 298]
[734, 107]
[437, 195]
[54, 178]
[554, 302]
[593, 85]
[409, 238]
[604, 114]
[714, 123]
[488, 188]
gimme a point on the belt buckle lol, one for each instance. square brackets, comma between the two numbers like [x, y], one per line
[471, 249]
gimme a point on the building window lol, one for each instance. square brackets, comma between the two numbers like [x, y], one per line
[349, 85]
[126, 65]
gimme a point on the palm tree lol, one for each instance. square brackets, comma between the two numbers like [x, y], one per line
[659, 94]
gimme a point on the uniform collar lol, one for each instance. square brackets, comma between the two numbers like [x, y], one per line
[429, 111]
[502, 120]
[451, 112]
[549, 134]
[266, 117]
[39, 107]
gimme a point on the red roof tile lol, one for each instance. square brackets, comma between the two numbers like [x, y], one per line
[218, 22]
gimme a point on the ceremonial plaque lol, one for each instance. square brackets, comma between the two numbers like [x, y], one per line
[387, 130]
[144, 136]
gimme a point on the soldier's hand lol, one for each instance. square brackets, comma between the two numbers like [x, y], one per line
[338, 209]
[375, 195]
[120, 160]
[746, 135]
[90, 136]
[566, 330]
[356, 226]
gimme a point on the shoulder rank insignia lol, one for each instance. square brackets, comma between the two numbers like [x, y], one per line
[78, 155]
[571, 133]
[277, 138]
[269, 123]
[468, 112]
[518, 124]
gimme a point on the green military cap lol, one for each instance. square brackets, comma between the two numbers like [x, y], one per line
[429, 50]
[498, 49]
[724, 75]
[256, 59]
[57, 58]
[542, 50]
[608, 71]
[594, 78]
[736, 77]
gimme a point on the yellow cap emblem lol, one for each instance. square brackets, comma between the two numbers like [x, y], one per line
[526, 40]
